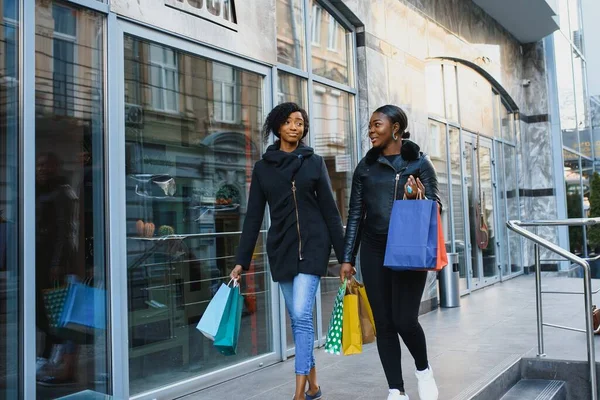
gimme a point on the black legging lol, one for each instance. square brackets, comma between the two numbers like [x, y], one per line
[395, 298]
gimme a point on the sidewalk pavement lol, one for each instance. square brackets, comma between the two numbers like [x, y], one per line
[468, 347]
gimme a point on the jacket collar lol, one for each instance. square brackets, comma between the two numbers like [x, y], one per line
[410, 151]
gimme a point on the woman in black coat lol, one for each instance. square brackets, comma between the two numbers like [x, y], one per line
[305, 223]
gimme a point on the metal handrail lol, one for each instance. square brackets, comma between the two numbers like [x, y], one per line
[518, 227]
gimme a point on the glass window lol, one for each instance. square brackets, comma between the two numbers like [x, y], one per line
[328, 61]
[451, 92]
[290, 33]
[291, 88]
[566, 92]
[582, 106]
[503, 257]
[437, 153]
[10, 276]
[476, 105]
[333, 139]
[513, 210]
[460, 235]
[187, 184]
[435, 89]
[572, 173]
[71, 270]
[575, 24]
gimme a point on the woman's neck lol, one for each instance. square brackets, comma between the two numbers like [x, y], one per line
[392, 149]
[287, 146]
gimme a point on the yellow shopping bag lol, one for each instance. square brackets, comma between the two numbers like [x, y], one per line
[367, 322]
[351, 332]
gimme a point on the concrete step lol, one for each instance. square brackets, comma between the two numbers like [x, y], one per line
[537, 389]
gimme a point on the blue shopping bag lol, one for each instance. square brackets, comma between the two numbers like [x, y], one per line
[84, 309]
[227, 336]
[211, 319]
[412, 242]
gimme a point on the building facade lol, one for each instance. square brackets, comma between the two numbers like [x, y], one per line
[130, 129]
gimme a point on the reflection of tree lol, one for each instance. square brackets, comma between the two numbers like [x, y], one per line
[574, 210]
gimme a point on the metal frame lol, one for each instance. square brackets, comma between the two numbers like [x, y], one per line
[27, 290]
[519, 227]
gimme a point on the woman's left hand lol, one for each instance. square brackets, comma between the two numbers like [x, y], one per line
[412, 183]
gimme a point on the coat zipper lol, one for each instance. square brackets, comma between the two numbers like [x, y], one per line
[297, 221]
[396, 186]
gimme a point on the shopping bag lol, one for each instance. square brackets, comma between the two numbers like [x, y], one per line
[84, 308]
[333, 344]
[54, 301]
[367, 322]
[442, 255]
[211, 319]
[226, 339]
[413, 236]
[351, 331]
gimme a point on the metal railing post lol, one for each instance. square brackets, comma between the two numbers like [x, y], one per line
[589, 329]
[538, 300]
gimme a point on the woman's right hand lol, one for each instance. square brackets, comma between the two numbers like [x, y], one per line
[347, 271]
[236, 273]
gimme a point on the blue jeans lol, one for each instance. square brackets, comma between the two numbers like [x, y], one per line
[299, 297]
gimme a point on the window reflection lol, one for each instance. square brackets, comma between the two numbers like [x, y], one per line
[330, 47]
[10, 277]
[291, 88]
[333, 138]
[513, 210]
[71, 316]
[290, 33]
[188, 174]
[572, 174]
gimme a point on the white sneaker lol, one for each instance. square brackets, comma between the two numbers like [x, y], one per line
[427, 387]
[395, 395]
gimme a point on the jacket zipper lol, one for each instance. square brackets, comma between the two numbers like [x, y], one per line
[396, 186]
[297, 221]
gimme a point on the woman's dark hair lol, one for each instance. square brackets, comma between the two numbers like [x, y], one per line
[279, 115]
[396, 115]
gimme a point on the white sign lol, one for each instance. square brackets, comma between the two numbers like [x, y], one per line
[221, 12]
[343, 163]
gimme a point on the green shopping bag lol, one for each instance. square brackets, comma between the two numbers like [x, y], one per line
[333, 344]
[227, 336]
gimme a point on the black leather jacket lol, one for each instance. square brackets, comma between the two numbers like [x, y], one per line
[374, 183]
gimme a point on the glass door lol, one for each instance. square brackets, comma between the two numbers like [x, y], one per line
[480, 212]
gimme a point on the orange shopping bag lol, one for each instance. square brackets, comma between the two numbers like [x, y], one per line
[442, 256]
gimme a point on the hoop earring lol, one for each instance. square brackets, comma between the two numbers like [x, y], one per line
[395, 136]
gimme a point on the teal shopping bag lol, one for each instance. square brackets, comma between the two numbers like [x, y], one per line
[211, 319]
[227, 336]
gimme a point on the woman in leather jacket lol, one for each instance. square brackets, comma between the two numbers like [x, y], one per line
[394, 162]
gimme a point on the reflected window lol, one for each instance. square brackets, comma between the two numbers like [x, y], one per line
[225, 93]
[65, 37]
[332, 36]
[164, 79]
[316, 18]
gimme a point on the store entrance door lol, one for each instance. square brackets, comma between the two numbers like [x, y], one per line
[480, 211]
